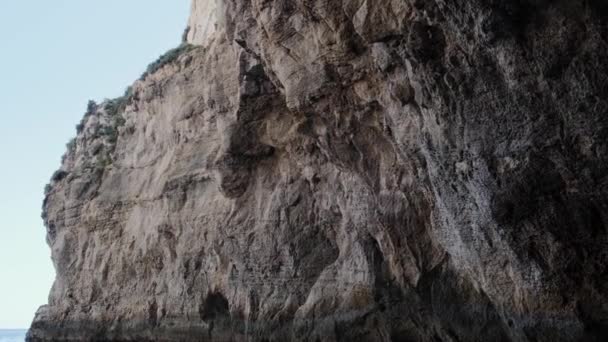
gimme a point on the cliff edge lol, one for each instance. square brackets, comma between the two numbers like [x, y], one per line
[347, 170]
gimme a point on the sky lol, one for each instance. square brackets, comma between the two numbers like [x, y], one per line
[54, 57]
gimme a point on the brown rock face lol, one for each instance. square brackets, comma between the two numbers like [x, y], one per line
[345, 170]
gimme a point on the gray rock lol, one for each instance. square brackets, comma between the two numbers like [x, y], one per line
[346, 170]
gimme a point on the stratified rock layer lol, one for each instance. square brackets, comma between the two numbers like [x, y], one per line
[347, 170]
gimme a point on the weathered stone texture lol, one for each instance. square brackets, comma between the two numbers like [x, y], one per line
[347, 170]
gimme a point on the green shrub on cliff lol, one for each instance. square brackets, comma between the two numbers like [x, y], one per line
[58, 175]
[169, 57]
[117, 106]
[91, 107]
[71, 144]
[115, 109]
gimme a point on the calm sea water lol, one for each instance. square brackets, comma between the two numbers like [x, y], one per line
[12, 335]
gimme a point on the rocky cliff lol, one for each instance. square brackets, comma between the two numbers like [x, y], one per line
[345, 170]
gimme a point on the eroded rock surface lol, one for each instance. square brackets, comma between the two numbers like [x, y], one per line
[347, 170]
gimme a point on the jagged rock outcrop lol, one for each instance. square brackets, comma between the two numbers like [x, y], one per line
[347, 170]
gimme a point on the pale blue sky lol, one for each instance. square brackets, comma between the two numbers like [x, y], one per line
[54, 57]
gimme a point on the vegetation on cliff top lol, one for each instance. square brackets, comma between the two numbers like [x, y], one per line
[114, 110]
[168, 57]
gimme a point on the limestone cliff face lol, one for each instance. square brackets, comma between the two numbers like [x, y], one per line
[345, 170]
[206, 19]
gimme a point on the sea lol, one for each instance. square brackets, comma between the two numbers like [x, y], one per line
[12, 335]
